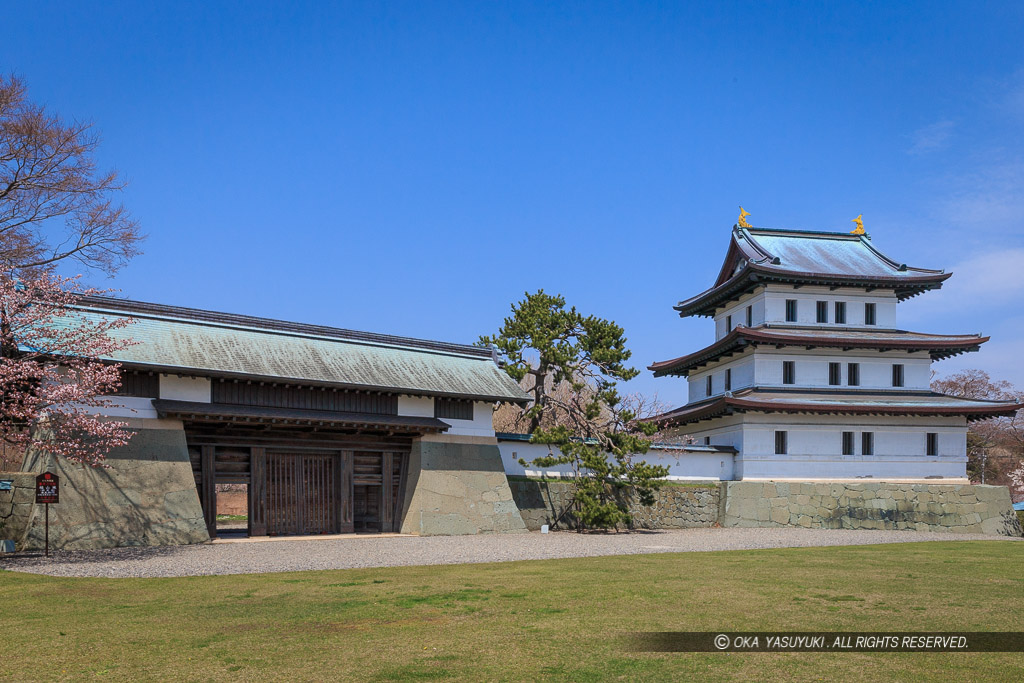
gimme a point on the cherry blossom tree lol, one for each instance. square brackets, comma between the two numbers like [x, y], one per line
[52, 382]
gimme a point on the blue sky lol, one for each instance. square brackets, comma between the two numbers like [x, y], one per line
[413, 168]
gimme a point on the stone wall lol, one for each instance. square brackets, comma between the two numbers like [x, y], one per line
[146, 496]
[922, 507]
[675, 507]
[16, 505]
[457, 486]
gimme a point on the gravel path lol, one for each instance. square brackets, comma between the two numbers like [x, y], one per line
[371, 551]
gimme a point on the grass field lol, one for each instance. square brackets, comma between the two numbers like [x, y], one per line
[555, 619]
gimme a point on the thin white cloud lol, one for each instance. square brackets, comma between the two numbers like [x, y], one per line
[931, 138]
[990, 198]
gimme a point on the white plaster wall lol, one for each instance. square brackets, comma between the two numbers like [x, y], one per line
[682, 465]
[196, 389]
[423, 406]
[128, 406]
[416, 406]
[812, 367]
[815, 446]
[775, 296]
[738, 311]
[481, 425]
[743, 374]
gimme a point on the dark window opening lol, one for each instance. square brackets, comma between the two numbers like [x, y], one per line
[707, 440]
[869, 314]
[867, 443]
[822, 311]
[853, 374]
[781, 445]
[932, 444]
[728, 324]
[847, 443]
[453, 409]
[788, 372]
[750, 316]
[835, 374]
[707, 386]
[790, 310]
[897, 375]
[728, 380]
[840, 312]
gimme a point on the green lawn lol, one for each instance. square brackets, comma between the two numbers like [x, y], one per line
[528, 620]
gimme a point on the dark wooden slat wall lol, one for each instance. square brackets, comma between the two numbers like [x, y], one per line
[345, 492]
[258, 493]
[307, 398]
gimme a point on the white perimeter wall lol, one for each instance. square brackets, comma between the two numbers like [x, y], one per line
[682, 465]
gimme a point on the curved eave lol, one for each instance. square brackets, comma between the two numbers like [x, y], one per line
[741, 337]
[273, 379]
[722, 406]
[752, 275]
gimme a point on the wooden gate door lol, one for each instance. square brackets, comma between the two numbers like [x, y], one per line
[302, 493]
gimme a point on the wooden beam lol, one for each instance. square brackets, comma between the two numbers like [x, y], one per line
[258, 492]
[346, 492]
[209, 490]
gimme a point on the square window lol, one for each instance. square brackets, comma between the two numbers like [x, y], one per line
[707, 440]
[790, 310]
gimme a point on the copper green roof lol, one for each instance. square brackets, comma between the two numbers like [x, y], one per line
[836, 259]
[207, 343]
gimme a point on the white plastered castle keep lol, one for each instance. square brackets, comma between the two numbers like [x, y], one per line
[810, 376]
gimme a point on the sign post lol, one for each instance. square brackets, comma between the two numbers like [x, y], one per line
[47, 491]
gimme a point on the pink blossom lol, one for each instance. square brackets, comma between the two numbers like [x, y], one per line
[52, 383]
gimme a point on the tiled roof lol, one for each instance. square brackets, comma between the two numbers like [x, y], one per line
[939, 346]
[759, 255]
[847, 402]
[213, 344]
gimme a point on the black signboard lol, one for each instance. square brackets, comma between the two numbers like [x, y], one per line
[47, 488]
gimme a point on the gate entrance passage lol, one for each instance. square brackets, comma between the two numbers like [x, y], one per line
[303, 494]
[307, 472]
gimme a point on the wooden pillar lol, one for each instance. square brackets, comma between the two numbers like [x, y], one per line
[403, 475]
[346, 493]
[387, 492]
[258, 492]
[209, 490]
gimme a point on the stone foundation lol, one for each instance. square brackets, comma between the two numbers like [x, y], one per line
[16, 505]
[145, 497]
[920, 507]
[457, 486]
[675, 507]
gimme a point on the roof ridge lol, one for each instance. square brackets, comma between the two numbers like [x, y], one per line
[237, 320]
